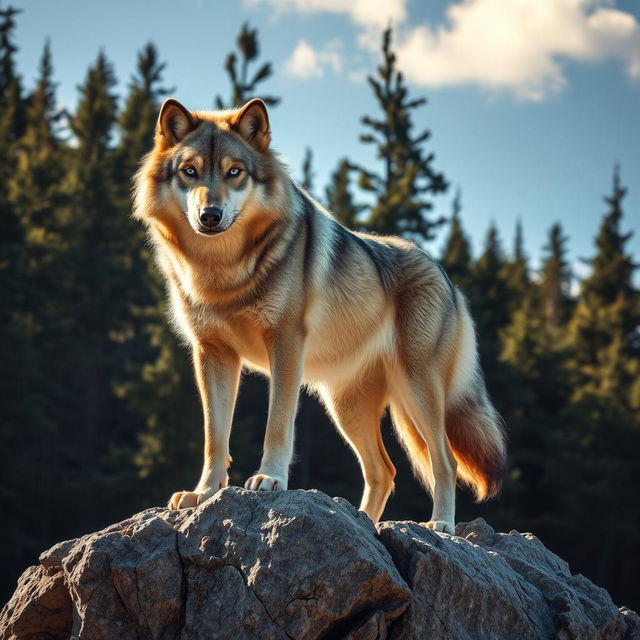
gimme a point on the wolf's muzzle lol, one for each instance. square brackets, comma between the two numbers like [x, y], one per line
[210, 218]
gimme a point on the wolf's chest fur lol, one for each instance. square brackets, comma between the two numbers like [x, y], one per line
[238, 311]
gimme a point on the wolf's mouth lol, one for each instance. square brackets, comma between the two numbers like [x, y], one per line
[207, 231]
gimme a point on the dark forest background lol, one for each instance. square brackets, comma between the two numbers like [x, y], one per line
[100, 416]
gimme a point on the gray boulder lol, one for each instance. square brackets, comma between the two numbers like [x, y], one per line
[482, 584]
[298, 564]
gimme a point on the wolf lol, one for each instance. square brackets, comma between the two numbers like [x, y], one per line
[261, 277]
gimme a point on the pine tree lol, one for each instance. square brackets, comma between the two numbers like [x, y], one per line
[14, 371]
[401, 190]
[243, 88]
[137, 119]
[531, 384]
[605, 441]
[7, 48]
[11, 107]
[92, 211]
[339, 198]
[555, 279]
[490, 290]
[531, 345]
[605, 325]
[490, 303]
[531, 389]
[13, 271]
[97, 292]
[136, 123]
[456, 255]
[93, 121]
[11, 118]
[517, 271]
[37, 195]
[35, 183]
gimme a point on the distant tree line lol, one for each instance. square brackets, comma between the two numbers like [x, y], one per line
[100, 415]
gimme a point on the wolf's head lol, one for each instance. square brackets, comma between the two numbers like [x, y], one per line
[207, 168]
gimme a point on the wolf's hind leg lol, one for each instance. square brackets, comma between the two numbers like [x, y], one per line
[413, 444]
[424, 404]
[217, 375]
[357, 412]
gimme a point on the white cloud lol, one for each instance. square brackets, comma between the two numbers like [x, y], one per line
[518, 45]
[366, 13]
[515, 45]
[306, 62]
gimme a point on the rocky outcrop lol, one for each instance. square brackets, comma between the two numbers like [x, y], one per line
[299, 564]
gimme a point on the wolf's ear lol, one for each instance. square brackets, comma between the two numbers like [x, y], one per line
[174, 122]
[252, 123]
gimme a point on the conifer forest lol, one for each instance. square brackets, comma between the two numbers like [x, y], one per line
[100, 415]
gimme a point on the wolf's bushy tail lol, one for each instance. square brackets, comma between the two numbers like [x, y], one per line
[477, 438]
[475, 429]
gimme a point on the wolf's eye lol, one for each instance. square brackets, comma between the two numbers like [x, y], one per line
[234, 172]
[190, 171]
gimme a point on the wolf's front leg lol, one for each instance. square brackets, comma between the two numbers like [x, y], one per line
[217, 375]
[286, 355]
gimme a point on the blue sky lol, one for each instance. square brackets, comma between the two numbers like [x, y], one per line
[531, 102]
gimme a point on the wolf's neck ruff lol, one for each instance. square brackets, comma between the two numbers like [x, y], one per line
[274, 283]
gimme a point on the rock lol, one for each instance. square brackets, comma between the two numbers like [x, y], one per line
[243, 565]
[482, 584]
[40, 608]
[300, 565]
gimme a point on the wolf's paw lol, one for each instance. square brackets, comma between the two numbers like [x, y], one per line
[440, 525]
[262, 482]
[184, 499]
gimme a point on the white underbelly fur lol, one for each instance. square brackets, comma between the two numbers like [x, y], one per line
[328, 362]
[332, 357]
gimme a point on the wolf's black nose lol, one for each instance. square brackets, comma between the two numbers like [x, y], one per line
[210, 216]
